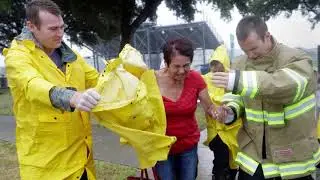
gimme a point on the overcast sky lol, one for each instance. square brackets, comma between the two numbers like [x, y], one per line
[295, 31]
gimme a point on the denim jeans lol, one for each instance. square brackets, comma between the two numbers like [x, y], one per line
[182, 166]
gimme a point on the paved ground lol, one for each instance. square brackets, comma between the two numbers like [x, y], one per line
[107, 147]
[205, 158]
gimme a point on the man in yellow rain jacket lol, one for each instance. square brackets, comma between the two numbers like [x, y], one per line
[48, 81]
[273, 89]
[221, 138]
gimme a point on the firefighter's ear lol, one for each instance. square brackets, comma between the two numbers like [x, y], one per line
[267, 35]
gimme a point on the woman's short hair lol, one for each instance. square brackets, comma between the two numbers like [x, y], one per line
[181, 46]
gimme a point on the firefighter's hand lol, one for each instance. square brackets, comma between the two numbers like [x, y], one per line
[220, 79]
[85, 101]
[230, 116]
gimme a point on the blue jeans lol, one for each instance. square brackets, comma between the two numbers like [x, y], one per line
[183, 166]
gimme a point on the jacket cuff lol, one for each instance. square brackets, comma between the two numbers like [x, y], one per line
[60, 97]
[236, 82]
[231, 81]
[231, 119]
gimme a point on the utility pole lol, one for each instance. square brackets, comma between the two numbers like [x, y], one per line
[231, 47]
[318, 58]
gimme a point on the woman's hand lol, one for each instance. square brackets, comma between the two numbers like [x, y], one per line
[220, 113]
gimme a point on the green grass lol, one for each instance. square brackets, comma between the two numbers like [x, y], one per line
[5, 102]
[8, 161]
[202, 123]
[104, 171]
[109, 171]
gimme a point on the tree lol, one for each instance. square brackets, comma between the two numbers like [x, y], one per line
[92, 22]
[11, 20]
[126, 16]
[271, 8]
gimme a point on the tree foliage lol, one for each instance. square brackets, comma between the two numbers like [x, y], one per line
[92, 22]
[270, 8]
[11, 20]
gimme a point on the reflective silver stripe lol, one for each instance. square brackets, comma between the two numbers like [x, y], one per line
[253, 115]
[316, 157]
[270, 170]
[246, 162]
[299, 108]
[255, 85]
[301, 82]
[285, 170]
[291, 169]
[277, 118]
[297, 168]
[236, 106]
[245, 84]
[231, 97]
[250, 86]
[274, 118]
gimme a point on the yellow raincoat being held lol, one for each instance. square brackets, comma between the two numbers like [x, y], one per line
[227, 133]
[132, 107]
[51, 144]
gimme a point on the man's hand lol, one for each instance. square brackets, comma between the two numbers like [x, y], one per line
[85, 101]
[220, 79]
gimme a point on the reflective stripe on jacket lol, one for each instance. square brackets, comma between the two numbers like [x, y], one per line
[278, 103]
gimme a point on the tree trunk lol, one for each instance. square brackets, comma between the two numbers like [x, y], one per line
[125, 27]
[128, 29]
[126, 35]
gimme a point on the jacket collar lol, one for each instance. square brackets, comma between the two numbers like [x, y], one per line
[28, 40]
[275, 50]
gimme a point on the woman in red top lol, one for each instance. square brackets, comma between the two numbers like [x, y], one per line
[180, 88]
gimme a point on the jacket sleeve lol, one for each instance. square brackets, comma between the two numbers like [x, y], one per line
[284, 86]
[91, 74]
[235, 103]
[23, 76]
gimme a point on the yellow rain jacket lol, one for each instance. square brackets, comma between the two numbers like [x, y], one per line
[51, 143]
[132, 107]
[227, 133]
[221, 54]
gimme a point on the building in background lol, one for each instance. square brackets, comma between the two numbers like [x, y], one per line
[149, 39]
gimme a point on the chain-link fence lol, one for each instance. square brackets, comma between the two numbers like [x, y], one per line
[3, 82]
